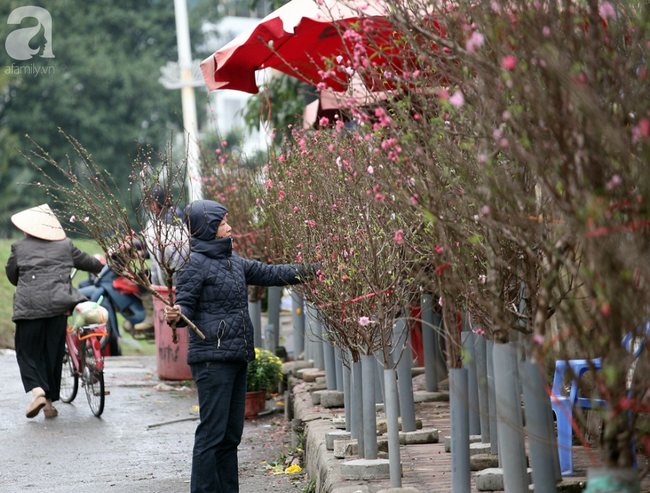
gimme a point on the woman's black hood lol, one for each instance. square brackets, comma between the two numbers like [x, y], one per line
[203, 218]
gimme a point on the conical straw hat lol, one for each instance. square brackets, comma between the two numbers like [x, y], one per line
[39, 222]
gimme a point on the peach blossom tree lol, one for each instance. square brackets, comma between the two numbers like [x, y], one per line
[322, 200]
[526, 131]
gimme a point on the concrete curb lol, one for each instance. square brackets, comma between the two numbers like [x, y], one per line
[320, 463]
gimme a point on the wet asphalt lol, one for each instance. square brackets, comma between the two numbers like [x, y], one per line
[142, 442]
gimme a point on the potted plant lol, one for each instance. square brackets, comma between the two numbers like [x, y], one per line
[264, 374]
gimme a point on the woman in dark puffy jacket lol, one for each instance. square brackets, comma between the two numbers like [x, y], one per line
[211, 291]
[39, 266]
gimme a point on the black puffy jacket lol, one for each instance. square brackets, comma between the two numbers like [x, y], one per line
[212, 288]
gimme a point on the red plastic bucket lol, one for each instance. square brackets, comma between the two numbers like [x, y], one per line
[171, 359]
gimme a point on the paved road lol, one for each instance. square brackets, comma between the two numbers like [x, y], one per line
[142, 442]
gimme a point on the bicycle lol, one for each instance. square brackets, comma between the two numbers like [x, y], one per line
[83, 361]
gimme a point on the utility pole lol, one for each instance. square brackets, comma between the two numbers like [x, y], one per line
[185, 75]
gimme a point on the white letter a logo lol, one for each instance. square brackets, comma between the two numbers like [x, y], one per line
[18, 42]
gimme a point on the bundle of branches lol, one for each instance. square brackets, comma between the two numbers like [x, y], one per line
[322, 200]
[154, 235]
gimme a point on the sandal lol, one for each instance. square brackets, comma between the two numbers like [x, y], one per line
[51, 412]
[35, 407]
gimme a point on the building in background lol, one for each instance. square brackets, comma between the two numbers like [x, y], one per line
[225, 107]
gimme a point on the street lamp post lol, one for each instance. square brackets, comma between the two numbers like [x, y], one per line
[186, 75]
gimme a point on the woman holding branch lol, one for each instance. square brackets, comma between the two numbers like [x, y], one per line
[211, 290]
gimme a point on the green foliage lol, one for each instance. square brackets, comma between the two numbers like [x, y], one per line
[264, 372]
[279, 106]
[6, 294]
[310, 487]
[101, 88]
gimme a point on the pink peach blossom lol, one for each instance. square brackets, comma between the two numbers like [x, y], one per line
[457, 100]
[641, 130]
[474, 42]
[509, 62]
[606, 10]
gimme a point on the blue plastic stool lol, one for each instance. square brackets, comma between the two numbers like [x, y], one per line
[563, 406]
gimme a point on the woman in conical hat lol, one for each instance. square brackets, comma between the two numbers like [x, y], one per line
[39, 266]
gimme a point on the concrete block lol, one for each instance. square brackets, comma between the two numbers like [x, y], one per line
[294, 366]
[331, 398]
[492, 479]
[382, 425]
[346, 448]
[321, 380]
[335, 435]
[313, 386]
[483, 461]
[424, 396]
[365, 469]
[407, 489]
[339, 422]
[310, 374]
[472, 439]
[430, 435]
[360, 488]
[316, 397]
[479, 448]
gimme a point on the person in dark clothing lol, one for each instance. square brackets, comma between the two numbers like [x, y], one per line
[211, 291]
[39, 266]
[161, 210]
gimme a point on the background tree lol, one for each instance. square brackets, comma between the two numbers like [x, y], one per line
[279, 106]
[101, 88]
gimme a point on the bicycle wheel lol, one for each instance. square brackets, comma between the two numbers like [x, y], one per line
[69, 378]
[93, 382]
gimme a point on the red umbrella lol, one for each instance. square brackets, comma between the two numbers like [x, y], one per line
[298, 39]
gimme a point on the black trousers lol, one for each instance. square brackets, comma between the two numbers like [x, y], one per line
[40, 345]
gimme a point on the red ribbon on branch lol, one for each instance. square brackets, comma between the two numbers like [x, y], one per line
[440, 268]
